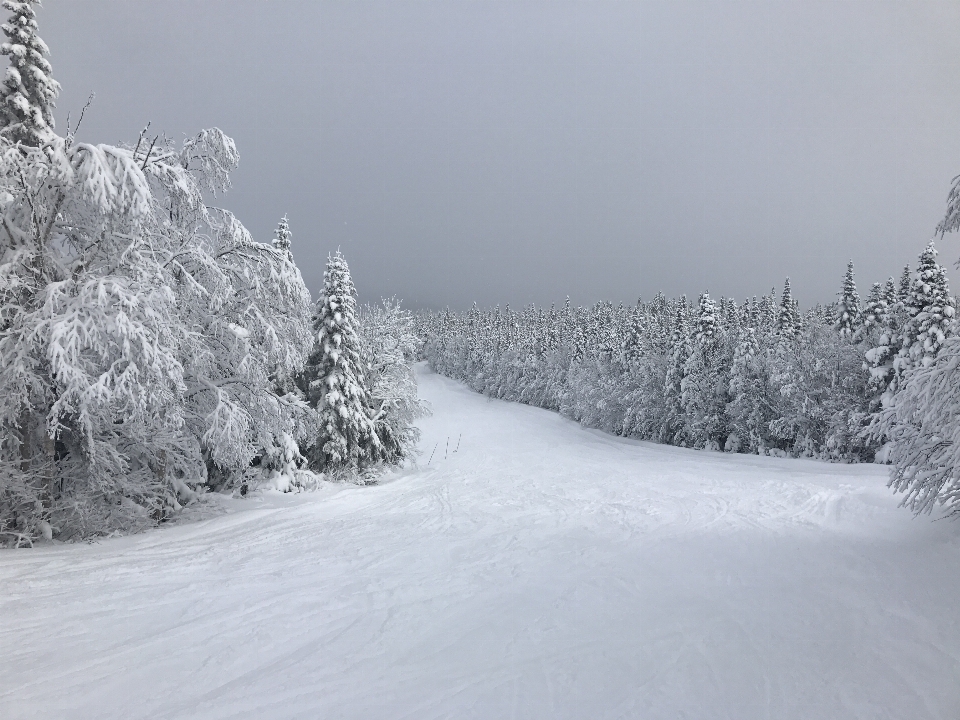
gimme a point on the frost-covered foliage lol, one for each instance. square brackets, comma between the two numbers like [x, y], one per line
[706, 380]
[749, 410]
[335, 380]
[143, 333]
[845, 382]
[840, 382]
[28, 91]
[389, 347]
[758, 377]
[921, 415]
[924, 429]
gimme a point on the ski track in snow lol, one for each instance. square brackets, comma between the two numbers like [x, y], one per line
[543, 571]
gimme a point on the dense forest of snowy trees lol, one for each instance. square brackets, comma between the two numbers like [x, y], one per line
[852, 381]
[150, 349]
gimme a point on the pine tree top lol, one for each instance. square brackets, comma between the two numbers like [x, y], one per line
[788, 321]
[849, 310]
[906, 280]
[28, 91]
[875, 309]
[707, 320]
[337, 304]
[282, 237]
[930, 286]
[890, 292]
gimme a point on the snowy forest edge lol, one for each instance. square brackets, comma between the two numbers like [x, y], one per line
[876, 381]
[152, 351]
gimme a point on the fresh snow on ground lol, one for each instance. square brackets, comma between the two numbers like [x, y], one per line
[542, 571]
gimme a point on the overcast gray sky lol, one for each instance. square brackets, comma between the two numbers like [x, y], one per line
[523, 151]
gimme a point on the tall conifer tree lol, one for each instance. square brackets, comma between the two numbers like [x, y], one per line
[282, 237]
[680, 350]
[705, 382]
[906, 281]
[931, 309]
[788, 320]
[347, 436]
[848, 310]
[28, 92]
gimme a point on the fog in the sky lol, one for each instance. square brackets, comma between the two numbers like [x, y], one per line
[523, 151]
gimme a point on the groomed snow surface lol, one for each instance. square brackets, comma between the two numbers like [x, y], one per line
[542, 571]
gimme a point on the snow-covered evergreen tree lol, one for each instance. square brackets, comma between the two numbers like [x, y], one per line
[922, 422]
[28, 91]
[347, 438]
[705, 382]
[874, 310]
[848, 309]
[749, 407]
[680, 351]
[767, 320]
[932, 311]
[889, 293]
[788, 320]
[884, 339]
[906, 282]
[632, 346]
[707, 332]
[282, 237]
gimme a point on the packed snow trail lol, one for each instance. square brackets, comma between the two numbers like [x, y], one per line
[540, 571]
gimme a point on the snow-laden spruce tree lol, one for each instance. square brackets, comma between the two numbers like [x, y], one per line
[749, 408]
[848, 309]
[883, 335]
[916, 327]
[788, 317]
[28, 92]
[932, 311]
[705, 381]
[674, 426]
[923, 420]
[645, 379]
[874, 335]
[874, 310]
[631, 350]
[890, 293]
[282, 236]
[347, 440]
[906, 282]
[768, 314]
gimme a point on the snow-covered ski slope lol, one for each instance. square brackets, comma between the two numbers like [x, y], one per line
[543, 571]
